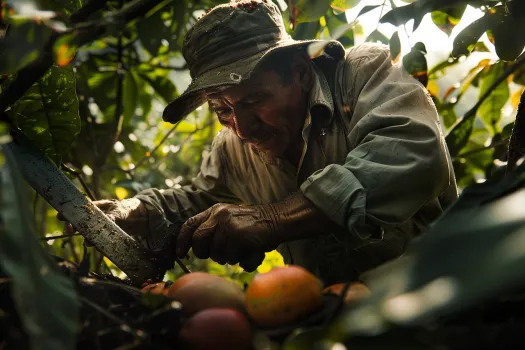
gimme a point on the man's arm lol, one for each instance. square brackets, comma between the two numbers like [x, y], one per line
[398, 160]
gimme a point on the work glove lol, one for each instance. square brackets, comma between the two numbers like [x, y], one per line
[130, 214]
[232, 234]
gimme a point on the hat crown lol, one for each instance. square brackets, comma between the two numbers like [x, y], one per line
[230, 32]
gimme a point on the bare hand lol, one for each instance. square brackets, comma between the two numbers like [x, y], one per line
[231, 234]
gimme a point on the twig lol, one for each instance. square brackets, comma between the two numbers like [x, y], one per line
[481, 149]
[149, 154]
[105, 313]
[60, 236]
[82, 182]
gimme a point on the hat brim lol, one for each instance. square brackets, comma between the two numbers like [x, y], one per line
[230, 74]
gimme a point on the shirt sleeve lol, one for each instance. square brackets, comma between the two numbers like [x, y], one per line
[177, 205]
[398, 159]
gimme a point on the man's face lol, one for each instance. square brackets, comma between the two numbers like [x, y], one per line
[263, 111]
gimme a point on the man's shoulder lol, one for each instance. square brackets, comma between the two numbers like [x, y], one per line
[367, 51]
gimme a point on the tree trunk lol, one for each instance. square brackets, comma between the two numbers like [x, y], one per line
[517, 138]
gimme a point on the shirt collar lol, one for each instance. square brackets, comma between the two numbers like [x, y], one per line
[320, 94]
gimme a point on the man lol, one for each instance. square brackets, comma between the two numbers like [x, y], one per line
[335, 160]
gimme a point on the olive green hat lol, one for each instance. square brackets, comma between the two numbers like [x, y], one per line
[226, 45]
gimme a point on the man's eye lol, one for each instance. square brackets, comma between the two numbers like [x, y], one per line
[222, 112]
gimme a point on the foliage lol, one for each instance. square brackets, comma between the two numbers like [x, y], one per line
[95, 109]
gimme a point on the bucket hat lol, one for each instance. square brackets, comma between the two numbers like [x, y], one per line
[226, 45]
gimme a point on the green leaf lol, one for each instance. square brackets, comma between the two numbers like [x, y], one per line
[23, 42]
[305, 31]
[509, 45]
[395, 47]
[46, 300]
[447, 19]
[458, 137]
[162, 86]
[448, 114]
[417, 10]
[343, 5]
[377, 37]
[339, 29]
[152, 31]
[490, 109]
[465, 42]
[48, 113]
[129, 96]
[307, 10]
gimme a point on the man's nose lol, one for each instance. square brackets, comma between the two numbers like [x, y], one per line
[246, 123]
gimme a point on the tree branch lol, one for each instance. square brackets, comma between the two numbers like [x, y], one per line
[517, 138]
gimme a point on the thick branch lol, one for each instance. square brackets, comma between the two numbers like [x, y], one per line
[517, 138]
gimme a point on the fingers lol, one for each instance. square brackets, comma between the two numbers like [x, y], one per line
[252, 261]
[185, 239]
[218, 248]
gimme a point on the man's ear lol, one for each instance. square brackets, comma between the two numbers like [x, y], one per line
[303, 72]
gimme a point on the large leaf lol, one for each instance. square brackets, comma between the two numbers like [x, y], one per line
[23, 42]
[161, 85]
[339, 29]
[465, 42]
[490, 109]
[509, 45]
[48, 113]
[45, 299]
[129, 95]
[377, 37]
[417, 10]
[307, 10]
[395, 47]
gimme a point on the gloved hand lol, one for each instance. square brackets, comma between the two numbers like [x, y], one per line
[232, 234]
[130, 214]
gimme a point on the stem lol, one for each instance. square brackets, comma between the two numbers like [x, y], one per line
[157, 146]
[59, 237]
[481, 149]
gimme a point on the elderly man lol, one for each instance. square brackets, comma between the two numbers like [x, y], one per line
[336, 160]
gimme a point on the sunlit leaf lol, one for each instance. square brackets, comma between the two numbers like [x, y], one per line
[367, 9]
[45, 299]
[516, 97]
[343, 5]
[490, 109]
[64, 50]
[48, 113]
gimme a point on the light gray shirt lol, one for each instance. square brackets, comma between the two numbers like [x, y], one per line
[374, 161]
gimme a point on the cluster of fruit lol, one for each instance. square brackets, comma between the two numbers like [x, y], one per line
[220, 315]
